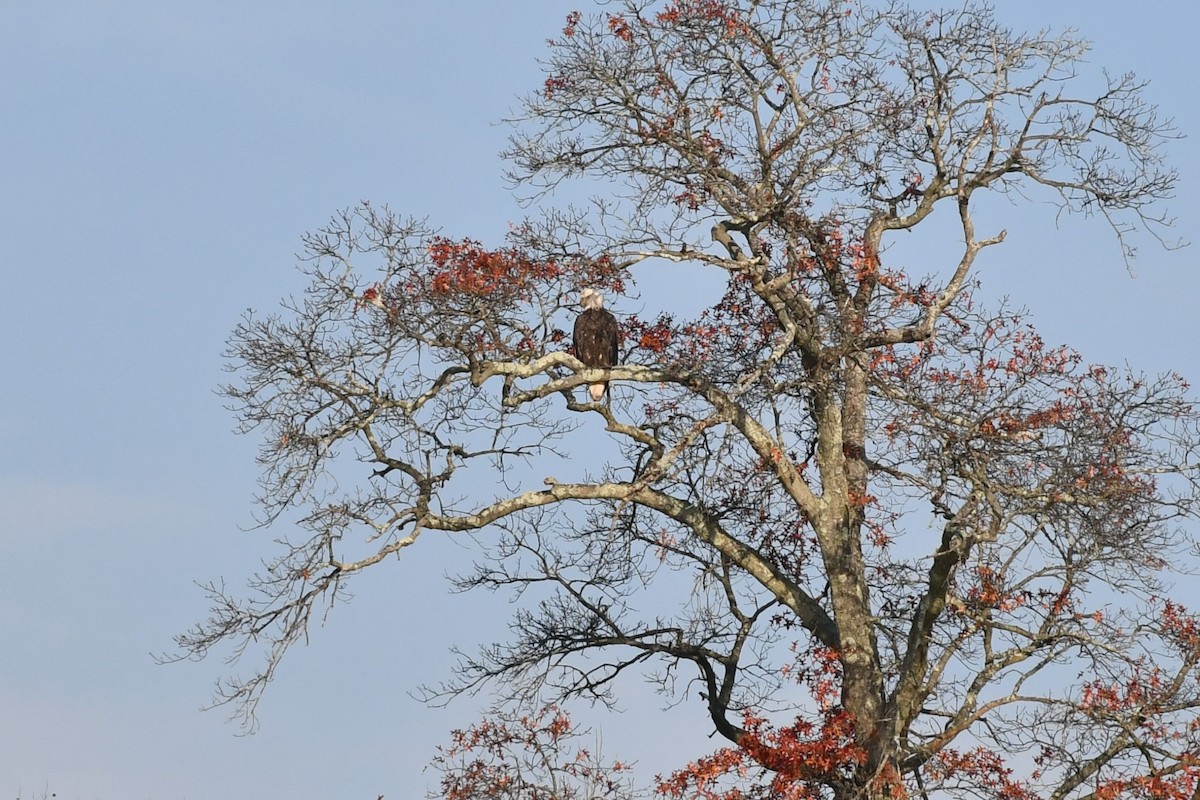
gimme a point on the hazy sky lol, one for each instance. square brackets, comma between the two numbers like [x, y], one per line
[160, 161]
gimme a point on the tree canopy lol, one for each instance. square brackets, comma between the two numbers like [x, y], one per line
[913, 550]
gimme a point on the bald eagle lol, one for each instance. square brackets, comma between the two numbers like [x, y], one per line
[596, 335]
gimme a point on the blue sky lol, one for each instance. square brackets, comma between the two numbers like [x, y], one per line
[160, 161]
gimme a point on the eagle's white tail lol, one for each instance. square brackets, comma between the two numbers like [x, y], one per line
[596, 390]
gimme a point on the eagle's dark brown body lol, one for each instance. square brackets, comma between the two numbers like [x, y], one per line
[596, 337]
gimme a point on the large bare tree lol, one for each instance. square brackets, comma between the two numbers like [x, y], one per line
[913, 550]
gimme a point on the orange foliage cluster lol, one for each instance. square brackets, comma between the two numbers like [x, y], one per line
[800, 264]
[1181, 786]
[467, 268]
[572, 21]
[490, 759]
[705, 775]
[832, 247]
[371, 296]
[657, 131]
[1030, 355]
[888, 364]
[702, 339]
[655, 340]
[619, 27]
[655, 337]
[989, 591]
[823, 671]
[802, 758]
[1182, 628]
[1107, 477]
[732, 328]
[864, 262]
[1027, 357]
[1099, 697]
[555, 84]
[682, 11]
[1141, 697]
[860, 499]
[982, 377]
[1054, 414]
[735, 327]
[982, 768]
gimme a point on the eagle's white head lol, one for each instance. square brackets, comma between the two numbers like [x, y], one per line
[590, 298]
